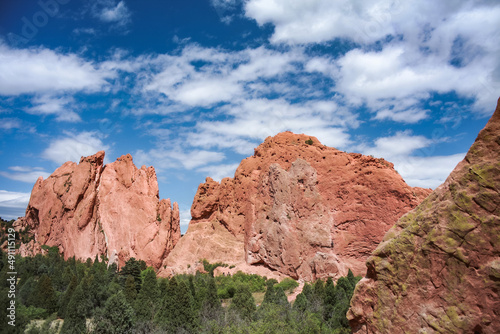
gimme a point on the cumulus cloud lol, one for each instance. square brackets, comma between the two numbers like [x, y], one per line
[25, 174]
[13, 204]
[40, 70]
[424, 46]
[72, 147]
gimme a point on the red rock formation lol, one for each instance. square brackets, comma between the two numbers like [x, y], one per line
[298, 208]
[89, 209]
[438, 268]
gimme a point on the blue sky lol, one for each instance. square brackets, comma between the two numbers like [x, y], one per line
[191, 87]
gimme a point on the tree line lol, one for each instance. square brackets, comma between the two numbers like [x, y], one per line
[92, 297]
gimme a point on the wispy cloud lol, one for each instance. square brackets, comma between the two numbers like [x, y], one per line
[25, 173]
[13, 204]
[61, 107]
[111, 12]
[176, 158]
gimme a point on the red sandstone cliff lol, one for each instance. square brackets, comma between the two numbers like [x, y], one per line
[90, 209]
[296, 208]
[438, 268]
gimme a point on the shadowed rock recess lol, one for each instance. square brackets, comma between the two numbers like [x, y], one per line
[90, 209]
[295, 208]
[438, 268]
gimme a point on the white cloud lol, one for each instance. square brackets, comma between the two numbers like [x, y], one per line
[362, 21]
[25, 174]
[117, 14]
[175, 158]
[218, 172]
[425, 46]
[59, 106]
[426, 172]
[40, 70]
[10, 123]
[423, 170]
[205, 76]
[13, 204]
[74, 146]
[185, 216]
[401, 144]
[252, 121]
[412, 115]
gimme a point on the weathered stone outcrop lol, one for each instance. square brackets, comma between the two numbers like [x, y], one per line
[296, 207]
[90, 209]
[438, 269]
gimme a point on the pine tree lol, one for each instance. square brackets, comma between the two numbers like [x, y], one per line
[146, 302]
[74, 321]
[329, 301]
[130, 290]
[45, 296]
[301, 304]
[177, 310]
[243, 303]
[66, 297]
[338, 318]
[116, 318]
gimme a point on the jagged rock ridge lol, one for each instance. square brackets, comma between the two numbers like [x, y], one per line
[438, 268]
[90, 209]
[296, 207]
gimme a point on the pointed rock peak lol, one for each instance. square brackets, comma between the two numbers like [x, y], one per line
[126, 158]
[488, 140]
[96, 159]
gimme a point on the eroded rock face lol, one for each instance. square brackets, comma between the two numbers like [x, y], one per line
[298, 209]
[438, 268]
[90, 209]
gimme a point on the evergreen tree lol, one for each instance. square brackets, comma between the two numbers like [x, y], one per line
[211, 308]
[329, 301]
[338, 318]
[66, 297]
[27, 291]
[116, 318]
[301, 304]
[133, 268]
[243, 303]
[45, 296]
[177, 312]
[74, 321]
[130, 289]
[146, 302]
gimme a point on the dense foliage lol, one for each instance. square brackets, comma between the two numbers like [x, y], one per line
[94, 298]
